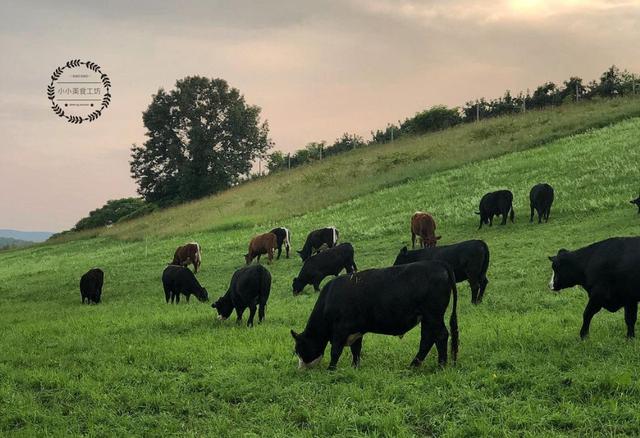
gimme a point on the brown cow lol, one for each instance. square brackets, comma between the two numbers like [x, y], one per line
[261, 244]
[423, 225]
[189, 253]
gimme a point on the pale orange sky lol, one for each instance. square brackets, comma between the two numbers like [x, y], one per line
[317, 69]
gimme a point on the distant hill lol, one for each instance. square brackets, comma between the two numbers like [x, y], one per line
[29, 236]
[8, 242]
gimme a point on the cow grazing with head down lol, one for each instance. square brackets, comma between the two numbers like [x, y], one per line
[317, 239]
[283, 237]
[91, 286]
[178, 280]
[637, 203]
[608, 272]
[329, 262]
[261, 244]
[469, 261]
[540, 200]
[388, 301]
[250, 287]
[499, 203]
[423, 226]
[189, 253]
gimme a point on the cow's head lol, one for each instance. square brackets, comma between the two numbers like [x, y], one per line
[565, 272]
[636, 202]
[297, 286]
[202, 295]
[403, 257]
[309, 352]
[224, 306]
[431, 241]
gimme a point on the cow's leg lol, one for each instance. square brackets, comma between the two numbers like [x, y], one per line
[188, 296]
[270, 255]
[491, 220]
[547, 213]
[531, 217]
[239, 312]
[252, 313]
[413, 240]
[442, 338]
[279, 252]
[287, 248]
[259, 257]
[337, 345]
[261, 309]
[427, 330]
[475, 290]
[173, 297]
[316, 286]
[591, 309]
[630, 316]
[483, 286]
[504, 218]
[356, 348]
[177, 295]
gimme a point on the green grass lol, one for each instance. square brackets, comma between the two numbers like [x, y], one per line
[348, 176]
[135, 366]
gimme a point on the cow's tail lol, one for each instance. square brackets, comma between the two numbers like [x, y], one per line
[512, 214]
[198, 254]
[453, 320]
[485, 262]
[264, 287]
[288, 238]
[335, 235]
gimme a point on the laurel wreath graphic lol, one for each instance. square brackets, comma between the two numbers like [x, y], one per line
[106, 99]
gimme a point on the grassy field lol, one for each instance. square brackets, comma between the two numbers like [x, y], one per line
[356, 173]
[135, 366]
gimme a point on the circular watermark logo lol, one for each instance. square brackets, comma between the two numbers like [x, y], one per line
[79, 91]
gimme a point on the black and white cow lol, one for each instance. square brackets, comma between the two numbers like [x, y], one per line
[637, 203]
[469, 260]
[499, 203]
[283, 236]
[250, 287]
[178, 280]
[319, 266]
[388, 301]
[316, 239]
[540, 200]
[91, 286]
[609, 271]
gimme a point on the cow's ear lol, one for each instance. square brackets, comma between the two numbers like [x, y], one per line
[294, 335]
[439, 237]
[562, 251]
[552, 259]
[403, 250]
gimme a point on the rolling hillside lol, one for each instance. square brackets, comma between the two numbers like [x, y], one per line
[135, 366]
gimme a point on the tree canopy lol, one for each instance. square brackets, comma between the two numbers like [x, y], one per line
[202, 138]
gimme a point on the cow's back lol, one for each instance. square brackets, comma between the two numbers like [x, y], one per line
[615, 260]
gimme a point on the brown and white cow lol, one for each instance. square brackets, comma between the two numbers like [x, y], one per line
[189, 253]
[423, 226]
[261, 244]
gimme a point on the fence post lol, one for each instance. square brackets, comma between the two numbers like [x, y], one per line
[289, 160]
[577, 93]
[477, 111]
[391, 133]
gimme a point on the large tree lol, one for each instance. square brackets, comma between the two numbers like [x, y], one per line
[202, 138]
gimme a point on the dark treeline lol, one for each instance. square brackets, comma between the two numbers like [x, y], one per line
[612, 83]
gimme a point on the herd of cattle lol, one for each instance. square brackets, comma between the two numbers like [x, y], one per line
[415, 290]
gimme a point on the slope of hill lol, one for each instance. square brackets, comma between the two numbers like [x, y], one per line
[136, 366]
[29, 236]
[349, 175]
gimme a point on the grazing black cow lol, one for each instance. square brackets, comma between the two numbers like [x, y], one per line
[540, 199]
[608, 271]
[388, 301]
[178, 280]
[91, 285]
[250, 287]
[317, 238]
[469, 260]
[498, 203]
[636, 202]
[329, 262]
[283, 236]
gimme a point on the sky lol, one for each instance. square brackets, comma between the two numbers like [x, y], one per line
[317, 69]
